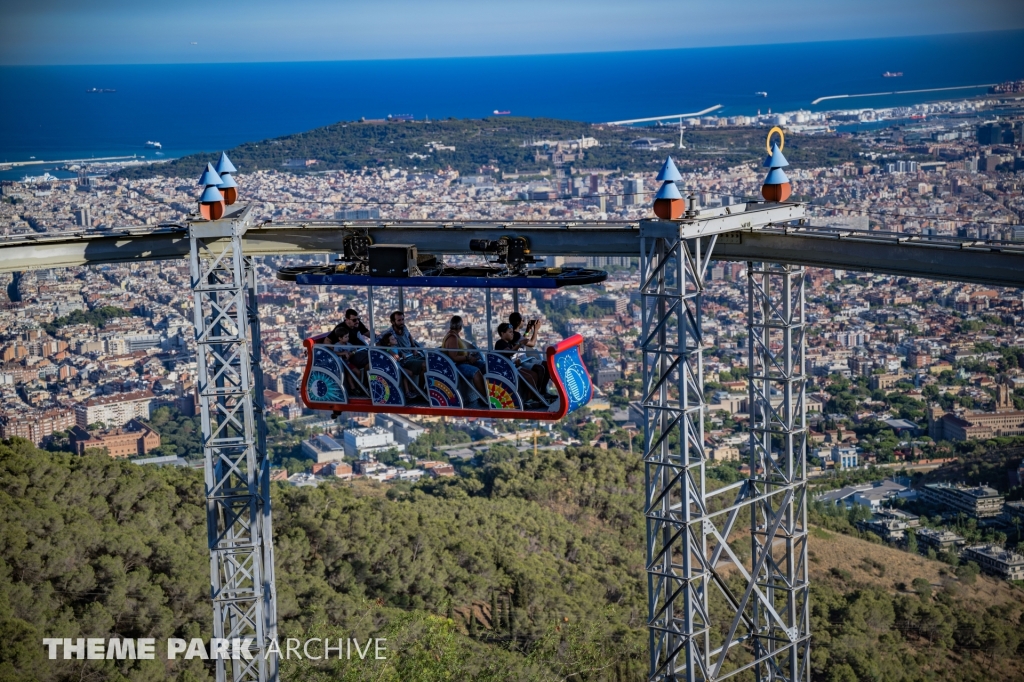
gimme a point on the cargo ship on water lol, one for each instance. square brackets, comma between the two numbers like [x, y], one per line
[101, 90]
[1007, 88]
[892, 74]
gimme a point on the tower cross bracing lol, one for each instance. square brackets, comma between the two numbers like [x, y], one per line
[237, 467]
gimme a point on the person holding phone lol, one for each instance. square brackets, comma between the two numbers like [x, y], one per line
[531, 375]
[529, 340]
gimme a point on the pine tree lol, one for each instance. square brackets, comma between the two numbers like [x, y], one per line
[911, 542]
[450, 613]
[472, 622]
[495, 625]
[511, 623]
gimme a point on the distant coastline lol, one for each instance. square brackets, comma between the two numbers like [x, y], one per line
[56, 117]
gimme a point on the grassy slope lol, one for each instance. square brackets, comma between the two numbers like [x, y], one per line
[921, 651]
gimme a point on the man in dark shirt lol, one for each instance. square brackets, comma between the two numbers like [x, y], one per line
[347, 333]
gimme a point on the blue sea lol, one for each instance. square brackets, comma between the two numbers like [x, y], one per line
[46, 112]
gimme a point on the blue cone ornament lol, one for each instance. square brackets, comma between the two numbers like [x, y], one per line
[668, 202]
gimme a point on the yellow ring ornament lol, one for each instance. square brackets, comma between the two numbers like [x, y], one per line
[768, 140]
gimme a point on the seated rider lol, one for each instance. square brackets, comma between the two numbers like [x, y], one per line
[532, 327]
[505, 346]
[348, 334]
[388, 342]
[529, 340]
[412, 362]
[469, 363]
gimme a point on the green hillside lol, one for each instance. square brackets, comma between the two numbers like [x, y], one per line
[526, 568]
[498, 143]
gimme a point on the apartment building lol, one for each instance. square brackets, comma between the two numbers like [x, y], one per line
[997, 561]
[980, 502]
[114, 410]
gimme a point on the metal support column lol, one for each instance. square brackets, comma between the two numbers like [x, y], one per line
[778, 460]
[672, 270]
[701, 625]
[369, 314]
[230, 390]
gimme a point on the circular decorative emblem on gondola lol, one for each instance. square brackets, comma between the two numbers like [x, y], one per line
[380, 390]
[500, 397]
[323, 388]
[575, 383]
[441, 395]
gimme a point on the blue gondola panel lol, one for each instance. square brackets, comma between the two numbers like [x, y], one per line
[574, 377]
[385, 379]
[325, 383]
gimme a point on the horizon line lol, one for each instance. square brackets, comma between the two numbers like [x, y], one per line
[518, 55]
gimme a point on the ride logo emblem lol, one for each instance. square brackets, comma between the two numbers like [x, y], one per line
[573, 376]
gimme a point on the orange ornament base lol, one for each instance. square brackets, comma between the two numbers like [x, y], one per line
[214, 211]
[669, 209]
[776, 192]
[230, 195]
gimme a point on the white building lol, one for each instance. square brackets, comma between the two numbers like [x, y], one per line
[362, 443]
[995, 560]
[871, 495]
[404, 430]
[114, 410]
[303, 479]
[323, 448]
[116, 346]
[844, 457]
[410, 474]
[733, 403]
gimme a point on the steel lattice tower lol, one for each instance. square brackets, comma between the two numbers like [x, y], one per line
[701, 626]
[230, 390]
[778, 464]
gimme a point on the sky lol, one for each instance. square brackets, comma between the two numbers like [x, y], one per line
[36, 32]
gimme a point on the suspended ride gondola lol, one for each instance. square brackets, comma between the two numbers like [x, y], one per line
[345, 377]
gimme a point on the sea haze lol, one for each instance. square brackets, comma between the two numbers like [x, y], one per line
[48, 114]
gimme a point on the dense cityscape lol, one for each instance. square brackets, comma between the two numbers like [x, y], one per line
[904, 375]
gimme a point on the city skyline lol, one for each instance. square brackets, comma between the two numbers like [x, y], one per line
[118, 32]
